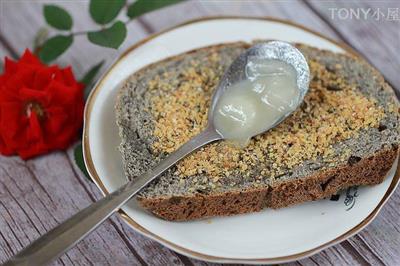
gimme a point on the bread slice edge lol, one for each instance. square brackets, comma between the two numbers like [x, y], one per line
[322, 184]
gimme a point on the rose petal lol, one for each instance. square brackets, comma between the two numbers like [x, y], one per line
[58, 94]
[57, 119]
[4, 149]
[32, 151]
[43, 77]
[30, 95]
[67, 76]
[26, 75]
[29, 58]
[61, 94]
[10, 66]
[13, 125]
[34, 133]
[11, 88]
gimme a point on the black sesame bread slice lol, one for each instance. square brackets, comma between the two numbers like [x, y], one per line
[345, 133]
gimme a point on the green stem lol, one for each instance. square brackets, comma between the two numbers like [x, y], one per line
[102, 28]
[86, 32]
[79, 33]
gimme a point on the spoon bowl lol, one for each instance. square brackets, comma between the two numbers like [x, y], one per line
[239, 71]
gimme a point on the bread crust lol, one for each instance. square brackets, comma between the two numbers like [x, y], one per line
[321, 184]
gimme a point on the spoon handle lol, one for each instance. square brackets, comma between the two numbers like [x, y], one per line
[64, 236]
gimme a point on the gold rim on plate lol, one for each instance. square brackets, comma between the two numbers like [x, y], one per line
[95, 177]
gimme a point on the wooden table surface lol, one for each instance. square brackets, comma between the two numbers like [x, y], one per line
[37, 194]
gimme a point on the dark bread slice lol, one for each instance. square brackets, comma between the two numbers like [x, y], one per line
[322, 184]
[372, 151]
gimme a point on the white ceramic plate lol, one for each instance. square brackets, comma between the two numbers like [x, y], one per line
[270, 236]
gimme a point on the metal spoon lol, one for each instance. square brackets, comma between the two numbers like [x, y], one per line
[65, 235]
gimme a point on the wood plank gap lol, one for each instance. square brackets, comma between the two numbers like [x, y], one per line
[8, 47]
[121, 234]
[83, 254]
[23, 210]
[78, 178]
[26, 166]
[56, 223]
[62, 261]
[313, 260]
[7, 244]
[376, 256]
[358, 256]
[346, 41]
[37, 217]
[126, 241]
[185, 260]
[146, 26]
[12, 227]
[327, 22]
[65, 255]
[19, 205]
[44, 206]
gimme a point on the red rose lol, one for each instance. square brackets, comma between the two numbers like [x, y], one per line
[41, 107]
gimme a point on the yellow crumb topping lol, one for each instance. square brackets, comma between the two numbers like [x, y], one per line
[332, 111]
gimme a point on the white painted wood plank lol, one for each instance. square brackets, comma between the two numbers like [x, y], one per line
[38, 194]
[151, 252]
[20, 21]
[295, 11]
[381, 239]
[375, 36]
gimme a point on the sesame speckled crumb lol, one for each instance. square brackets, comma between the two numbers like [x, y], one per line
[332, 111]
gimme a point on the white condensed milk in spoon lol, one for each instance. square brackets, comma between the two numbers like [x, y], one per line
[250, 106]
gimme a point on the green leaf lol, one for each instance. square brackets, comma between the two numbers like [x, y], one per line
[104, 11]
[140, 7]
[78, 155]
[54, 47]
[111, 37]
[40, 38]
[57, 17]
[89, 76]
